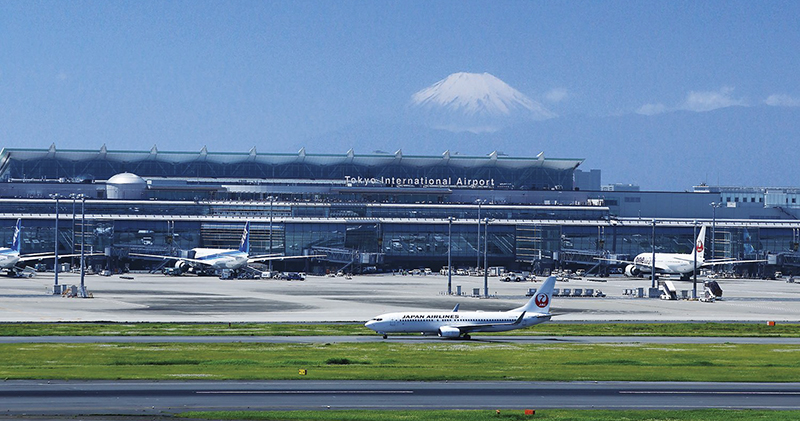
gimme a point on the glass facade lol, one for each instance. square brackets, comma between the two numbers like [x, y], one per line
[409, 235]
[388, 170]
[302, 238]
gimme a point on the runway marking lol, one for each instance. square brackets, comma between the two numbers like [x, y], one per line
[698, 392]
[305, 392]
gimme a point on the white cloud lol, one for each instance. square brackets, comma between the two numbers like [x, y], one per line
[700, 101]
[652, 109]
[782, 100]
[556, 95]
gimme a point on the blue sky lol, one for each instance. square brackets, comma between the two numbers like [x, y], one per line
[237, 74]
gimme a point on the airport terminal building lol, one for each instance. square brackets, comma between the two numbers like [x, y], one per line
[368, 212]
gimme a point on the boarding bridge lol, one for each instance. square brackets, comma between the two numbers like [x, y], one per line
[590, 258]
[353, 259]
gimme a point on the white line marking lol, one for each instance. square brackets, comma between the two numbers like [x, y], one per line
[304, 392]
[698, 392]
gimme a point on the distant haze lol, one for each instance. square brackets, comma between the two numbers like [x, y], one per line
[664, 94]
[748, 146]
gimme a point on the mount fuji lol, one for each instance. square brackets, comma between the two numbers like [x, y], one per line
[473, 102]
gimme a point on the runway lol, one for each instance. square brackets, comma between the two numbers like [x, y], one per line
[401, 339]
[152, 298]
[153, 398]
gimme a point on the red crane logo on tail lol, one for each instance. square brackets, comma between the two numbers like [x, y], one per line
[699, 246]
[542, 300]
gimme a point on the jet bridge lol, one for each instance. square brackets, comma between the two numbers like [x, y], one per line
[354, 259]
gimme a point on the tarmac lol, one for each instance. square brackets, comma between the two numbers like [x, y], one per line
[160, 298]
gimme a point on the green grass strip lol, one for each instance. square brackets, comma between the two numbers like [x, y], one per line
[504, 415]
[424, 361]
[295, 329]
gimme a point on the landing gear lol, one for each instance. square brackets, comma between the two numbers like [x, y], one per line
[385, 336]
[467, 337]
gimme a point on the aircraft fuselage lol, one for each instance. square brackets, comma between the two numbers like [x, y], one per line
[672, 263]
[8, 258]
[221, 258]
[429, 323]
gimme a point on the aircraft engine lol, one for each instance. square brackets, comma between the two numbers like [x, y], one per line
[632, 271]
[449, 332]
[182, 266]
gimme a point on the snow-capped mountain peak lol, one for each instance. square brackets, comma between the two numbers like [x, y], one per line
[476, 102]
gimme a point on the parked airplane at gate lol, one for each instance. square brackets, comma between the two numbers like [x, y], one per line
[674, 263]
[10, 256]
[218, 259]
[457, 324]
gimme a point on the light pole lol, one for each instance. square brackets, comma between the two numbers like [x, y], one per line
[55, 266]
[485, 258]
[694, 269]
[478, 247]
[450, 220]
[714, 206]
[72, 258]
[83, 243]
[271, 199]
[653, 262]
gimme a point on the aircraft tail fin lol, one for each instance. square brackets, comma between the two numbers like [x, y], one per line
[700, 244]
[244, 245]
[17, 236]
[540, 302]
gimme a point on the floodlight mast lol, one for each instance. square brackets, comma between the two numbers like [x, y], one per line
[83, 244]
[450, 220]
[694, 269]
[485, 257]
[714, 206]
[55, 266]
[653, 262]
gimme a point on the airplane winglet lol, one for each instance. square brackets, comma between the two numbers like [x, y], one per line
[455, 309]
[519, 319]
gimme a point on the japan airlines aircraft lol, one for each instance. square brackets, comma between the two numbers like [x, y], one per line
[675, 263]
[10, 257]
[218, 259]
[457, 324]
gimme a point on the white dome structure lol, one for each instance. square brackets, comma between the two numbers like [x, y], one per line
[126, 186]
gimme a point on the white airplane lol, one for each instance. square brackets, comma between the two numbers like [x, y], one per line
[10, 256]
[218, 259]
[457, 324]
[674, 263]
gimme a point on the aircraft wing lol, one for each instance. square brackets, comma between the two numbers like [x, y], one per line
[730, 262]
[615, 260]
[42, 256]
[38, 254]
[267, 258]
[472, 328]
[184, 259]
